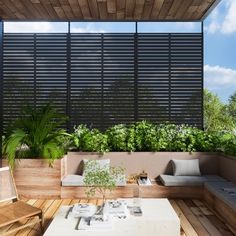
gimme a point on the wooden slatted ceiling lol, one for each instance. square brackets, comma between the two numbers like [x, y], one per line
[105, 9]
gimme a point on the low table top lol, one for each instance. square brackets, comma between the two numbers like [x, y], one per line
[158, 218]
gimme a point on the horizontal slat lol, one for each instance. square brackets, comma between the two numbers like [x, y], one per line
[100, 70]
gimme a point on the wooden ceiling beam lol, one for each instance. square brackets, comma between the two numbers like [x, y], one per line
[156, 8]
[129, 9]
[138, 10]
[111, 6]
[85, 9]
[93, 5]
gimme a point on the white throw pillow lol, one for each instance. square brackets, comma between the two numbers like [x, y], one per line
[186, 167]
[103, 164]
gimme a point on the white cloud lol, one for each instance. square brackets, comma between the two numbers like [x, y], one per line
[214, 24]
[28, 27]
[223, 20]
[217, 76]
[48, 27]
[187, 26]
[89, 28]
[229, 23]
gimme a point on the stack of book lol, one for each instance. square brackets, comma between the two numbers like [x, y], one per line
[96, 222]
[116, 208]
[84, 210]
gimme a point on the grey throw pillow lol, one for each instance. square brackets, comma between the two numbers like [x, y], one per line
[186, 167]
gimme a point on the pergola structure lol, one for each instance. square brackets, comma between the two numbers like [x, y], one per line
[108, 10]
[170, 64]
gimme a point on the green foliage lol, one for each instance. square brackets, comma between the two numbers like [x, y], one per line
[35, 134]
[90, 140]
[232, 106]
[145, 136]
[117, 137]
[216, 114]
[100, 179]
[228, 142]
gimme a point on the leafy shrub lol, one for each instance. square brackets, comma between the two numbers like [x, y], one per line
[228, 143]
[131, 146]
[90, 140]
[117, 137]
[145, 136]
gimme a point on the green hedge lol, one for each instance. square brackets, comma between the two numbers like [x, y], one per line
[145, 136]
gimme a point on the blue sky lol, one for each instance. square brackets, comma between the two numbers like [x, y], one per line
[220, 41]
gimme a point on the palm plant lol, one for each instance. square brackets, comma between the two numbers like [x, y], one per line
[36, 134]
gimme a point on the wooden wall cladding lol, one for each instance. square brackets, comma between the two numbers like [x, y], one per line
[35, 179]
[105, 9]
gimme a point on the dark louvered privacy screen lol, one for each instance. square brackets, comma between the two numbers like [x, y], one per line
[105, 79]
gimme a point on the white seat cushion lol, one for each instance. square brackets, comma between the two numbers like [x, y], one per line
[171, 180]
[73, 180]
[78, 180]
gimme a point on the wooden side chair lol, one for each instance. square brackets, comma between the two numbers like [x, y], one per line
[16, 210]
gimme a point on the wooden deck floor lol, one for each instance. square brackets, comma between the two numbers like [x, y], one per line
[196, 218]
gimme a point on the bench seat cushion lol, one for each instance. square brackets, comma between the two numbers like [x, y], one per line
[170, 180]
[78, 180]
[73, 180]
[225, 191]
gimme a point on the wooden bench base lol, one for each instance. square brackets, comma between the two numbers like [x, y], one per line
[157, 190]
[221, 208]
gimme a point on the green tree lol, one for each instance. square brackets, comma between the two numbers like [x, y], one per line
[216, 115]
[232, 106]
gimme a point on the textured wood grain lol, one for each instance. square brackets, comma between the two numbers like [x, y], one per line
[157, 190]
[104, 9]
[220, 207]
[35, 179]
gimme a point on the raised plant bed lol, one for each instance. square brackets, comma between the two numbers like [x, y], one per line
[35, 179]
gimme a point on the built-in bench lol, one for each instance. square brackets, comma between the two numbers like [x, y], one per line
[154, 164]
[221, 198]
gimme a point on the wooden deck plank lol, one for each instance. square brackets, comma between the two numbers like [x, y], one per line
[199, 228]
[185, 224]
[196, 218]
[216, 221]
[203, 219]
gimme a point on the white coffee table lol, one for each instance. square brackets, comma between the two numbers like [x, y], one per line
[159, 218]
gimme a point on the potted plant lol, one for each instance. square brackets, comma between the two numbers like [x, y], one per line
[34, 137]
[101, 179]
[35, 134]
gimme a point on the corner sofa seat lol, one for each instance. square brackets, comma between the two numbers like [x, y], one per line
[78, 181]
[225, 191]
[171, 180]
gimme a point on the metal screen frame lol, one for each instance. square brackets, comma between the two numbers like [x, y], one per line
[69, 81]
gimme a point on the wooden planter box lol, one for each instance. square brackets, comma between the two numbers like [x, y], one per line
[35, 179]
